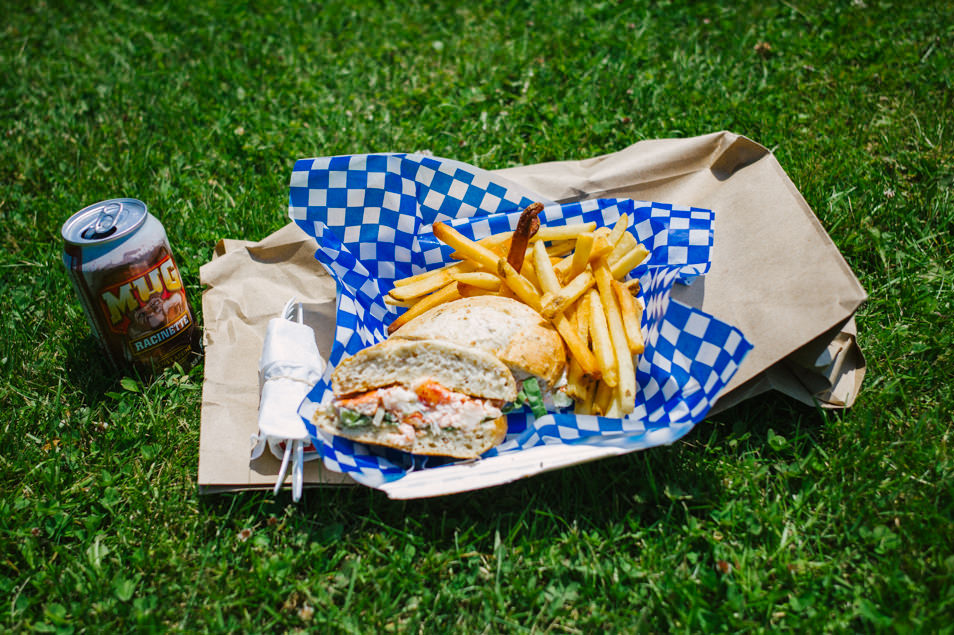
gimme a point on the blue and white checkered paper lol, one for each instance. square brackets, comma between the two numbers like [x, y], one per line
[372, 217]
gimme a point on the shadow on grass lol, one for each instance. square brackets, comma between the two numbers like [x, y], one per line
[657, 486]
[89, 370]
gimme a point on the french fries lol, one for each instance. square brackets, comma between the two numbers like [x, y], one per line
[573, 275]
[569, 332]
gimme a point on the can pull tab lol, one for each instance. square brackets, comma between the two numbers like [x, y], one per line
[105, 224]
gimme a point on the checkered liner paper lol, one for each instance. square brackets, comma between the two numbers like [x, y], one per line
[372, 216]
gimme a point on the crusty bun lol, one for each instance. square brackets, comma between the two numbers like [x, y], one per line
[460, 368]
[510, 330]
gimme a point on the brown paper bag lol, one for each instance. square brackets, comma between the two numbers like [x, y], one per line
[775, 274]
[247, 285]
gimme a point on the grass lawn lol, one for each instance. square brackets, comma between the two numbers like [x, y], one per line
[769, 516]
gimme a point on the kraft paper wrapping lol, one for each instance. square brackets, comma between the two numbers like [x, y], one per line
[785, 285]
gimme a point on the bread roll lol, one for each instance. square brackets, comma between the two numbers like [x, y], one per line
[508, 329]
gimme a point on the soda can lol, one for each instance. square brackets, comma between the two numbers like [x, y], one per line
[121, 265]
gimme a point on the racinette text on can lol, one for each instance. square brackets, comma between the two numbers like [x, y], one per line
[121, 265]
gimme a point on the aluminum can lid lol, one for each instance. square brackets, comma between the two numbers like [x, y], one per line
[104, 221]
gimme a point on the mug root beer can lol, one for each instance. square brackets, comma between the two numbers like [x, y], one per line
[119, 260]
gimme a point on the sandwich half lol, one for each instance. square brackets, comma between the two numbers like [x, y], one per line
[425, 396]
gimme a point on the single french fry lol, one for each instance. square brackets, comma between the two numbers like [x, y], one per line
[557, 261]
[469, 291]
[626, 373]
[544, 268]
[576, 347]
[563, 232]
[446, 294]
[631, 313]
[619, 229]
[498, 247]
[602, 399]
[602, 343]
[633, 287]
[446, 269]
[473, 251]
[574, 373]
[572, 314]
[529, 272]
[561, 248]
[626, 243]
[399, 303]
[576, 381]
[423, 286]
[585, 405]
[582, 311]
[601, 244]
[507, 292]
[559, 301]
[525, 291]
[481, 279]
[499, 243]
[581, 256]
[561, 268]
[616, 407]
[580, 407]
[628, 261]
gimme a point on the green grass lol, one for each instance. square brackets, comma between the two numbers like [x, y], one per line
[769, 516]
